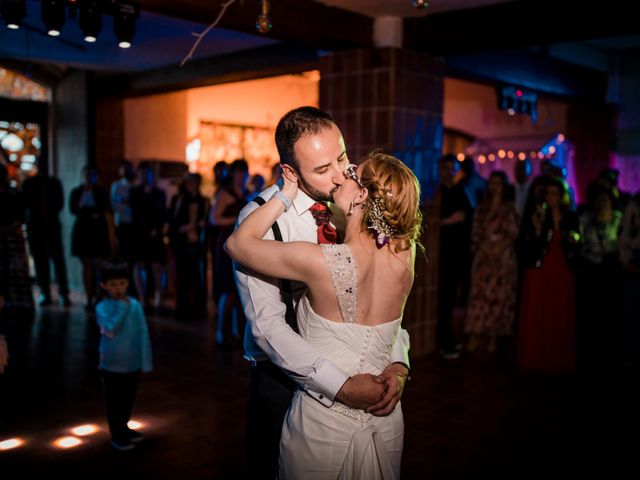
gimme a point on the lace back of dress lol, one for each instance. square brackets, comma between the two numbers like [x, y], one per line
[344, 276]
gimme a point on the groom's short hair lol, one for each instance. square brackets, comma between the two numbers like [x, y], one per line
[293, 125]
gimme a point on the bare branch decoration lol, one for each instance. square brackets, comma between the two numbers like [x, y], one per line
[200, 36]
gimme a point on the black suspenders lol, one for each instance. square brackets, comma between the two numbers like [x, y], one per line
[286, 292]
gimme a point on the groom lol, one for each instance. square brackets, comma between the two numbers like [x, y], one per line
[281, 361]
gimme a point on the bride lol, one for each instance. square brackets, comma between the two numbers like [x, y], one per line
[350, 313]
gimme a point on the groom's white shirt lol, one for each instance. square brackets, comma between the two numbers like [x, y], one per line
[268, 336]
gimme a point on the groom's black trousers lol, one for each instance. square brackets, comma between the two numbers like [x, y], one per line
[270, 394]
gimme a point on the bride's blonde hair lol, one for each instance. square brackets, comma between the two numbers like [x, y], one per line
[392, 185]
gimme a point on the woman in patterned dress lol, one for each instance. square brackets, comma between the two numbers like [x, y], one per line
[494, 273]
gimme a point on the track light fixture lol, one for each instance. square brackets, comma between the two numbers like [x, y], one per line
[55, 12]
[13, 12]
[53, 16]
[90, 19]
[518, 100]
[124, 25]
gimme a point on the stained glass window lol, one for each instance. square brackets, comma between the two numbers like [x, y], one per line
[20, 144]
[16, 86]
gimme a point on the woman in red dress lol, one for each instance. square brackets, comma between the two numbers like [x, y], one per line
[547, 330]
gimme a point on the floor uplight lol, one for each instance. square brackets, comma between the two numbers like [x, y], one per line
[84, 430]
[134, 425]
[67, 442]
[11, 443]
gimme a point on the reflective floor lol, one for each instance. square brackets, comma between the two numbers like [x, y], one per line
[470, 418]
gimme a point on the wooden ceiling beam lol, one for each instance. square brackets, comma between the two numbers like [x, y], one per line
[246, 65]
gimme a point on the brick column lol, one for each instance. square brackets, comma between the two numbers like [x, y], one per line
[391, 98]
[109, 138]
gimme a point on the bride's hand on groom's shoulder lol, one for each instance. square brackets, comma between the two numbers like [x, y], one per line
[394, 378]
[362, 390]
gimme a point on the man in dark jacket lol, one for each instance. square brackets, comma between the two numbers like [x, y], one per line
[44, 199]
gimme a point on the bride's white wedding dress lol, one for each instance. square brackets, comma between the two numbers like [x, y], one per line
[339, 442]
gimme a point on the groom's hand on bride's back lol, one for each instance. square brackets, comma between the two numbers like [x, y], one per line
[362, 390]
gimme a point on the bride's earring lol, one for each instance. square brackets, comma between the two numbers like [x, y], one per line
[350, 212]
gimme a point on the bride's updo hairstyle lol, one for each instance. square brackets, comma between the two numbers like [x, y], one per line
[393, 203]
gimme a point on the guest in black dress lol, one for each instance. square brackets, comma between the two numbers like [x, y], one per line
[187, 219]
[230, 199]
[220, 177]
[149, 215]
[90, 235]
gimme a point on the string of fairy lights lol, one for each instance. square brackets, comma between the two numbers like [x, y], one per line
[545, 153]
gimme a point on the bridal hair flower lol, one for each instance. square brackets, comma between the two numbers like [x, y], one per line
[379, 223]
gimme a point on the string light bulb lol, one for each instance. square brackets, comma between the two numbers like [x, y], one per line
[263, 24]
[420, 4]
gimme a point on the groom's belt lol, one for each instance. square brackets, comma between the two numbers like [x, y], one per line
[264, 364]
[254, 363]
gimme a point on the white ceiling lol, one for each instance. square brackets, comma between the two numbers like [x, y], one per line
[405, 8]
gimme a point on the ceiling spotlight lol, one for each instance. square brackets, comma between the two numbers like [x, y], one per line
[90, 20]
[124, 24]
[53, 16]
[420, 4]
[13, 12]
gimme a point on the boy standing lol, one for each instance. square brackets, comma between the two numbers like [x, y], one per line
[125, 351]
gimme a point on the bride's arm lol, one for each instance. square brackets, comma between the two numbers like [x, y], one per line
[291, 260]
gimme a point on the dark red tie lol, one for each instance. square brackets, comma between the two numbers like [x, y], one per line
[322, 216]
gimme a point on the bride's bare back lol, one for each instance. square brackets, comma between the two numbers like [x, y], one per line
[384, 280]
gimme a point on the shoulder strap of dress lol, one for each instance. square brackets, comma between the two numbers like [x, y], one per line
[344, 276]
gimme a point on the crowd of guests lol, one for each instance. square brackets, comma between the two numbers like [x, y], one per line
[560, 284]
[165, 242]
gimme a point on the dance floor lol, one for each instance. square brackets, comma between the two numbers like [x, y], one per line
[468, 419]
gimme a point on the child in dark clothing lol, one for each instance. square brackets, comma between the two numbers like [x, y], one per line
[125, 351]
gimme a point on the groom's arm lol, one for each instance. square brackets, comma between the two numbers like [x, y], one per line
[265, 315]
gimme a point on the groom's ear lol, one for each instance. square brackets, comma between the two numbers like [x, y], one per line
[289, 172]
